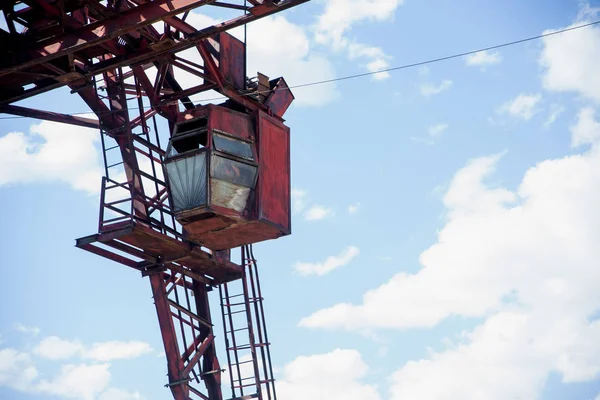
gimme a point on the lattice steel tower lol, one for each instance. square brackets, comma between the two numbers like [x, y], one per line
[185, 181]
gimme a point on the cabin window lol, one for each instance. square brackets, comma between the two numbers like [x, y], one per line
[233, 171]
[188, 182]
[232, 146]
[188, 136]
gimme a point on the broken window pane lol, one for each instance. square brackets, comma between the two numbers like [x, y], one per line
[233, 171]
[233, 146]
[187, 181]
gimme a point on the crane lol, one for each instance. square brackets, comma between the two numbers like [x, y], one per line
[186, 180]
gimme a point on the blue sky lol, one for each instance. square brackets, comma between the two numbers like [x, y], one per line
[445, 221]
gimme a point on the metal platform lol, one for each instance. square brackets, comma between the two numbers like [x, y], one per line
[148, 251]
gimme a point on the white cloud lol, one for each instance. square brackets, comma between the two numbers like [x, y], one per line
[353, 208]
[329, 264]
[33, 330]
[434, 132]
[483, 58]
[118, 394]
[555, 111]
[16, 369]
[317, 212]
[570, 62]
[293, 58]
[51, 152]
[524, 260]
[508, 357]
[379, 65]
[587, 129]
[337, 20]
[331, 376]
[114, 350]
[437, 130]
[523, 106]
[77, 381]
[340, 15]
[73, 381]
[428, 89]
[55, 348]
[298, 200]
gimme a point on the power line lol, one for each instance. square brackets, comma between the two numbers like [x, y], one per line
[397, 68]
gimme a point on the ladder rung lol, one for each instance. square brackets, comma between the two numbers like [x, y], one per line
[243, 386]
[252, 300]
[237, 330]
[115, 164]
[235, 312]
[232, 296]
[243, 362]
[246, 346]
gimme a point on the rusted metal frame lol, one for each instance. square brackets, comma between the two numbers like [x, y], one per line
[233, 340]
[72, 23]
[185, 321]
[189, 313]
[54, 68]
[9, 21]
[199, 353]
[195, 37]
[107, 254]
[180, 309]
[152, 92]
[173, 84]
[199, 336]
[210, 64]
[160, 78]
[168, 229]
[197, 393]
[211, 370]
[262, 314]
[151, 157]
[192, 347]
[229, 5]
[178, 60]
[160, 200]
[105, 115]
[125, 214]
[252, 340]
[187, 92]
[191, 70]
[102, 191]
[148, 54]
[50, 116]
[106, 30]
[130, 250]
[260, 322]
[32, 92]
[118, 104]
[197, 277]
[138, 120]
[167, 328]
[176, 281]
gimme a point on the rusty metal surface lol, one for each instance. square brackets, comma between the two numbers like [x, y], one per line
[86, 46]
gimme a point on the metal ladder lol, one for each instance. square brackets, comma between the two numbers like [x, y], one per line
[248, 353]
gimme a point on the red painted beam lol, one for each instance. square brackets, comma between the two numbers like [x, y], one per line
[167, 330]
[106, 30]
[50, 116]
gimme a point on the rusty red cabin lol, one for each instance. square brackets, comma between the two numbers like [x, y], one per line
[229, 176]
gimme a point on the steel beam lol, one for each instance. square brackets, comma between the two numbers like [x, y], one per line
[106, 30]
[50, 116]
